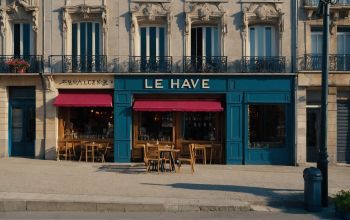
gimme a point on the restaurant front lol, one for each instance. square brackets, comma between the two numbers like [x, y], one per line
[244, 120]
[85, 113]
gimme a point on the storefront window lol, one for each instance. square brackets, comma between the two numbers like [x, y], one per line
[199, 126]
[87, 123]
[267, 125]
[156, 126]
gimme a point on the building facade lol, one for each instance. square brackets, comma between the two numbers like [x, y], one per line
[133, 72]
[309, 82]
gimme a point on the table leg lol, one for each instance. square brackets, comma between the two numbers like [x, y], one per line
[211, 154]
[205, 156]
[86, 153]
[172, 161]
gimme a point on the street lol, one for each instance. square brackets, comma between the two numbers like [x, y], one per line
[289, 215]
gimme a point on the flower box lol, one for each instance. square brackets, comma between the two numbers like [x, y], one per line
[18, 65]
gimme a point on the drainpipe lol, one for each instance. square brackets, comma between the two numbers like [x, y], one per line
[42, 77]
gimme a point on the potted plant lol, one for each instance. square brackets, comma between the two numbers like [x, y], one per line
[18, 65]
[342, 204]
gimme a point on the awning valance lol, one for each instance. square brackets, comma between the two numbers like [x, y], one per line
[82, 99]
[177, 105]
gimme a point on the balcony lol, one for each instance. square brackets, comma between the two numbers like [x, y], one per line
[313, 62]
[205, 64]
[150, 64]
[21, 64]
[81, 64]
[339, 10]
[270, 64]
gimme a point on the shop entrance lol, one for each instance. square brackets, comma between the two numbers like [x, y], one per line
[313, 133]
[22, 121]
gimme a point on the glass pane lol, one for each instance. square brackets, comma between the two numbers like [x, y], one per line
[252, 41]
[17, 134]
[200, 126]
[261, 43]
[89, 39]
[216, 41]
[143, 42]
[268, 41]
[314, 48]
[74, 39]
[17, 117]
[208, 45]
[26, 39]
[152, 41]
[97, 39]
[267, 126]
[82, 39]
[17, 39]
[17, 124]
[156, 126]
[161, 41]
[340, 44]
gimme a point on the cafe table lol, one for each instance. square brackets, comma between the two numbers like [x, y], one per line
[163, 149]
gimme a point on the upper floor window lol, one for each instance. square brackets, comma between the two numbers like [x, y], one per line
[262, 41]
[316, 40]
[343, 41]
[22, 39]
[86, 39]
[153, 41]
[204, 41]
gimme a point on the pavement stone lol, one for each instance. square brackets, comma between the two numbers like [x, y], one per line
[42, 185]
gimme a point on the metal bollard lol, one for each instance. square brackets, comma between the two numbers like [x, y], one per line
[312, 189]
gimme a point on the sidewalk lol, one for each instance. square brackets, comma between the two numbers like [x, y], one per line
[38, 185]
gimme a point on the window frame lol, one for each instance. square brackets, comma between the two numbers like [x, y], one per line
[260, 31]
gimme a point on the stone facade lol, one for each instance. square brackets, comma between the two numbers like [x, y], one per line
[51, 22]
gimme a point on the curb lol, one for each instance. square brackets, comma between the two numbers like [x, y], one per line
[32, 205]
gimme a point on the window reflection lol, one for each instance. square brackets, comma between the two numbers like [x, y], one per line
[200, 126]
[156, 126]
[267, 126]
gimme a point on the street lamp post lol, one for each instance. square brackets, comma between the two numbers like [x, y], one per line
[322, 162]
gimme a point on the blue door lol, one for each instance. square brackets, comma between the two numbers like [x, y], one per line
[267, 141]
[22, 122]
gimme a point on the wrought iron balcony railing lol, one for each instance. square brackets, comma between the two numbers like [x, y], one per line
[78, 64]
[268, 64]
[205, 64]
[150, 64]
[314, 3]
[337, 62]
[21, 64]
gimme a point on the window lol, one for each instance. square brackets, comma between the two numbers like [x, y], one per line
[156, 126]
[200, 126]
[261, 41]
[22, 39]
[267, 126]
[316, 40]
[204, 41]
[343, 49]
[153, 41]
[86, 46]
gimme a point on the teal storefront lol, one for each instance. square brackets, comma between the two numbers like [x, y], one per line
[258, 116]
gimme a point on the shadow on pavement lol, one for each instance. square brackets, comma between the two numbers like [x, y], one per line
[125, 169]
[283, 200]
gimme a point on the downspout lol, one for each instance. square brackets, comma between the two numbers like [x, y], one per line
[42, 77]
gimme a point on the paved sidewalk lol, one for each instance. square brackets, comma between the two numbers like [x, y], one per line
[38, 185]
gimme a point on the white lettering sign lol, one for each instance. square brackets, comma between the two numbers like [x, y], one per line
[178, 84]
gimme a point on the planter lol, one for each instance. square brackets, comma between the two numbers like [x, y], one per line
[343, 215]
[21, 70]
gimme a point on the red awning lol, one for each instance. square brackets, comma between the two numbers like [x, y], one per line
[177, 106]
[80, 99]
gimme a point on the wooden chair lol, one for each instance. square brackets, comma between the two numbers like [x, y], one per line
[190, 159]
[66, 150]
[101, 152]
[153, 156]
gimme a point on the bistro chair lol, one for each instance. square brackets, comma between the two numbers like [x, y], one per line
[153, 156]
[189, 159]
[200, 152]
[66, 150]
[101, 152]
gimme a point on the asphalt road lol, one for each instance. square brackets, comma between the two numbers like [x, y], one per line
[299, 215]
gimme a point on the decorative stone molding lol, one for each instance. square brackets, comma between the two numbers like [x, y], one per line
[28, 6]
[3, 21]
[262, 13]
[205, 12]
[85, 12]
[150, 11]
